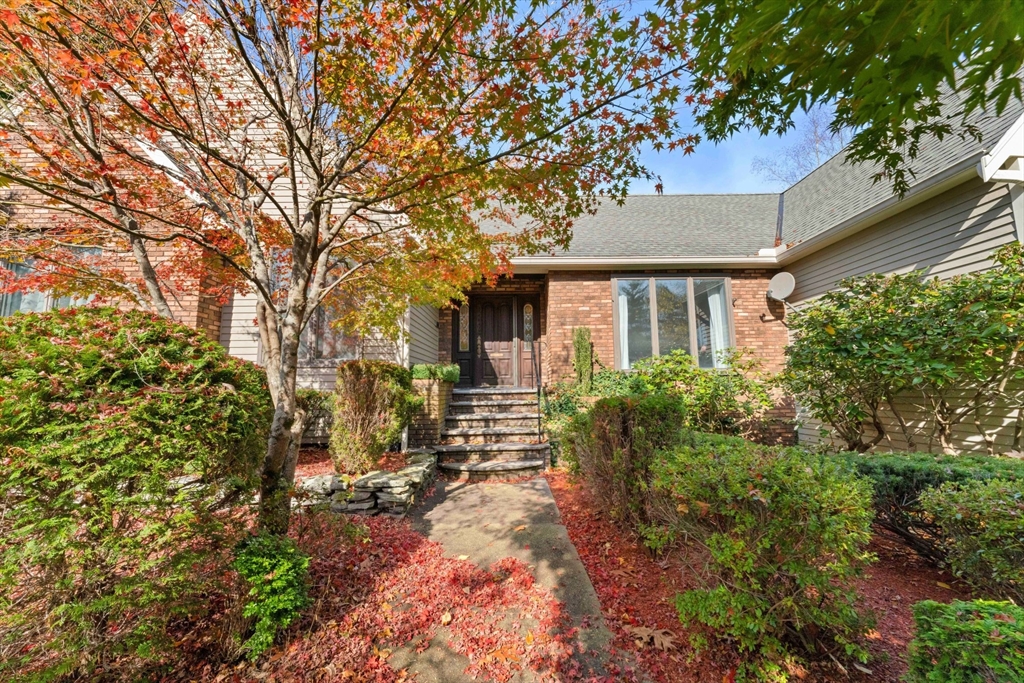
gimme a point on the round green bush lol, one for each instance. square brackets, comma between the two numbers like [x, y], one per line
[128, 443]
[967, 642]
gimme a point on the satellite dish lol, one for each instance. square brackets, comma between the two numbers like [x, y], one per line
[781, 286]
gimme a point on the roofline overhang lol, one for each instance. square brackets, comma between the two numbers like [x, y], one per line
[954, 175]
[543, 264]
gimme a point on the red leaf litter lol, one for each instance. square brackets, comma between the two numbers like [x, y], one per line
[316, 461]
[637, 590]
[389, 587]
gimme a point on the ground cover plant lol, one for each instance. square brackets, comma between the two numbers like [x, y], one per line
[127, 441]
[373, 404]
[953, 347]
[965, 642]
[785, 533]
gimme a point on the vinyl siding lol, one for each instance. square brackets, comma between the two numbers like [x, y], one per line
[423, 334]
[951, 234]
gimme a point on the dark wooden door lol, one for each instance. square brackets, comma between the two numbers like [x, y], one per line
[495, 342]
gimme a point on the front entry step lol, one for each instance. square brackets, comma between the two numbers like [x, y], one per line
[494, 469]
[493, 432]
[467, 435]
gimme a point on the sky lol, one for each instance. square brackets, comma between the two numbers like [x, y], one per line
[716, 169]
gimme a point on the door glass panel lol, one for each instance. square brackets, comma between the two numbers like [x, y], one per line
[528, 323]
[712, 315]
[634, 321]
[673, 316]
[464, 327]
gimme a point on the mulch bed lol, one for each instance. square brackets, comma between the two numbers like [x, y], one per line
[637, 590]
[316, 461]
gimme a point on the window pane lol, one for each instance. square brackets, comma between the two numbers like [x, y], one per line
[712, 316]
[634, 322]
[673, 316]
[321, 341]
[26, 302]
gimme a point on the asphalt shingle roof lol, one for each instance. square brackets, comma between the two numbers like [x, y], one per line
[677, 225]
[735, 225]
[837, 191]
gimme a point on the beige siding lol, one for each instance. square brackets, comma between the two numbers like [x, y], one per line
[423, 334]
[951, 234]
[238, 331]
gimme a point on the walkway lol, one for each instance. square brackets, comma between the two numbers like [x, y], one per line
[487, 522]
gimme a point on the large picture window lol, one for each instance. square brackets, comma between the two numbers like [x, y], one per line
[32, 302]
[657, 315]
[320, 341]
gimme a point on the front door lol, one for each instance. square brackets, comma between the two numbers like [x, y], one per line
[495, 343]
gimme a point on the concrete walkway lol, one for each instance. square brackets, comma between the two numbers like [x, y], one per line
[480, 521]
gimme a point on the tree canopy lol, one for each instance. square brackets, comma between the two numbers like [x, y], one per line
[360, 154]
[896, 72]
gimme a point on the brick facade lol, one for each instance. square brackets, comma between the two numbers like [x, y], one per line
[428, 419]
[572, 299]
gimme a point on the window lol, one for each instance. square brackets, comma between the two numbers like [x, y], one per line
[322, 342]
[657, 315]
[32, 302]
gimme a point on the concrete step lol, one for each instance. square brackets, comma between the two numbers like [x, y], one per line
[494, 470]
[485, 452]
[494, 394]
[480, 407]
[468, 435]
[492, 420]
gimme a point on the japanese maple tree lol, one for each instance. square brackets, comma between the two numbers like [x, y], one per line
[355, 155]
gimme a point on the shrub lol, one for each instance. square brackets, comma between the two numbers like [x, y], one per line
[125, 440]
[583, 358]
[982, 533]
[447, 373]
[319, 407]
[899, 479]
[373, 404]
[785, 534]
[277, 574]
[967, 642]
[614, 444]
[730, 400]
[954, 343]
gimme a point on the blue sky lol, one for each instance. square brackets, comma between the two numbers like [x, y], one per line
[715, 169]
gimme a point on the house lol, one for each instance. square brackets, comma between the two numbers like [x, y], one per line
[657, 273]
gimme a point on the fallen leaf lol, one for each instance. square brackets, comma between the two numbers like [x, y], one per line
[520, 527]
[942, 585]
[463, 557]
[661, 638]
[446, 618]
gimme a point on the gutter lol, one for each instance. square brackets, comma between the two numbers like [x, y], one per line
[539, 264]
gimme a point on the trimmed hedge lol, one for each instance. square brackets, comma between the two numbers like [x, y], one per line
[373, 404]
[982, 533]
[447, 373]
[967, 642]
[785, 533]
[125, 440]
[899, 479]
[614, 446]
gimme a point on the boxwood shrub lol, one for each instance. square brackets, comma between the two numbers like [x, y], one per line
[785, 533]
[127, 442]
[899, 479]
[967, 642]
[373, 403]
[614, 445]
[446, 372]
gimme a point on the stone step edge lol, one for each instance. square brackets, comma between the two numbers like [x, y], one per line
[488, 431]
[492, 466]
[494, 416]
[474, 447]
[478, 404]
[477, 391]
